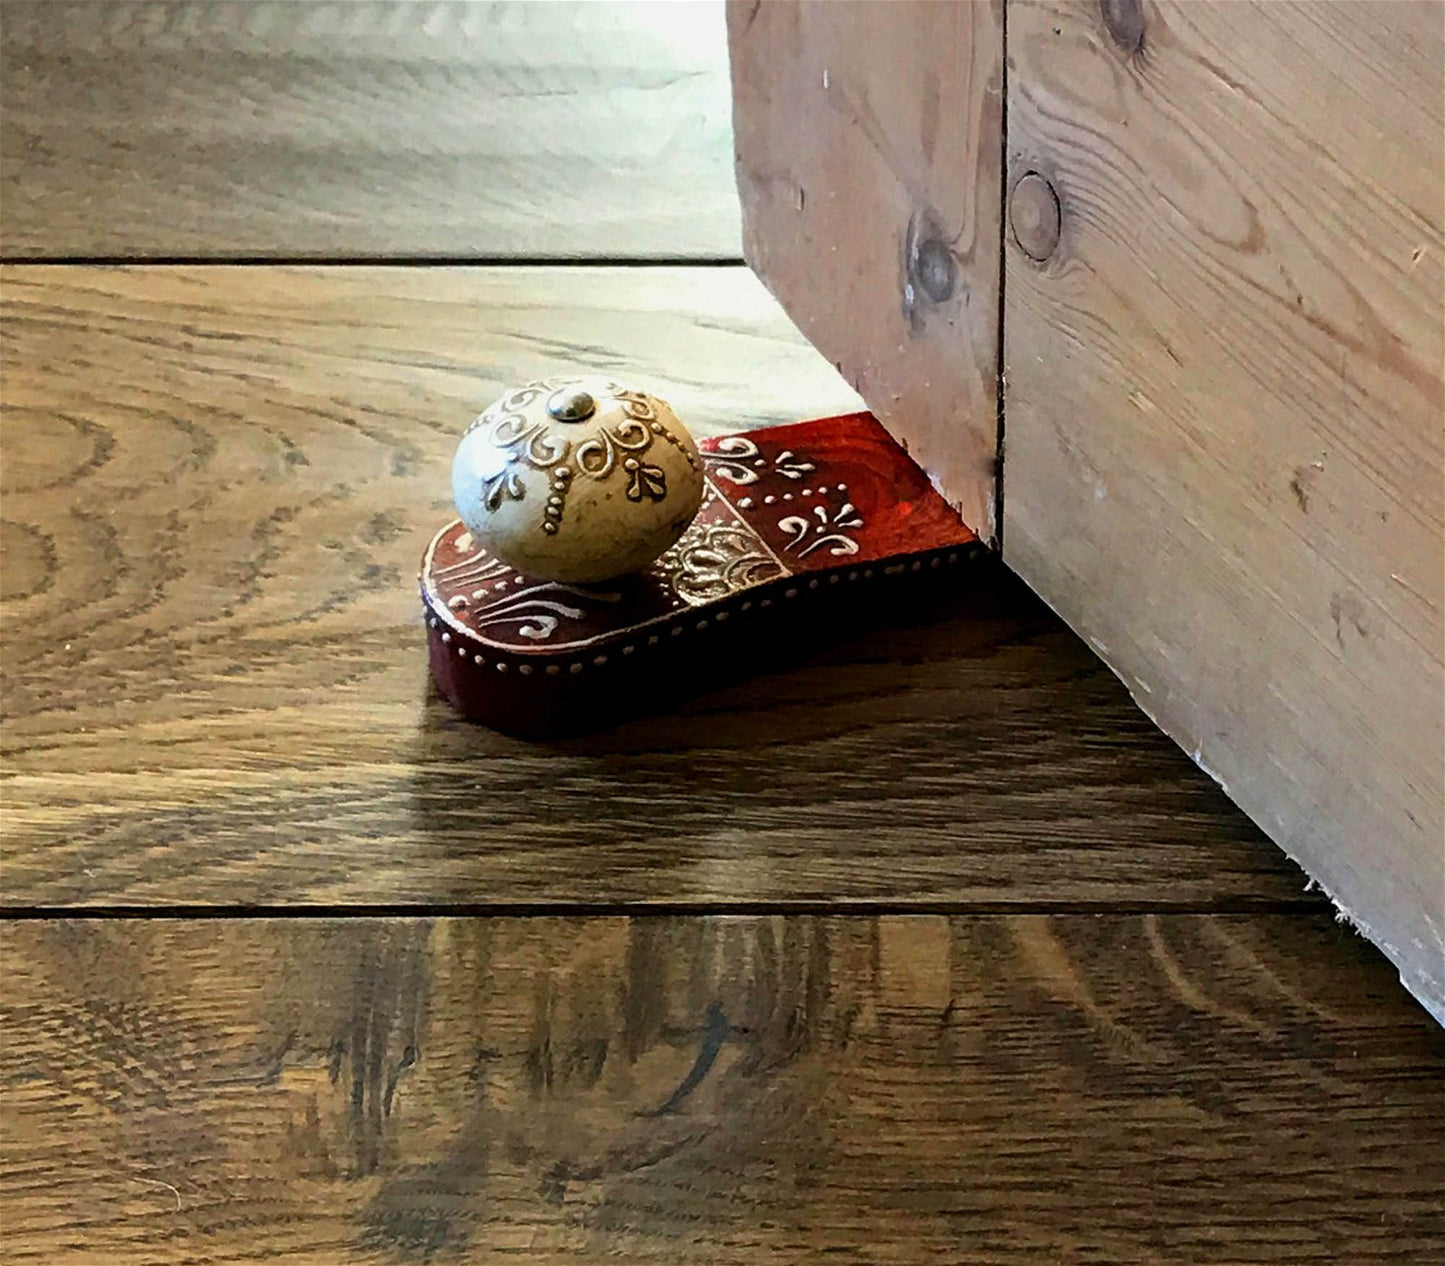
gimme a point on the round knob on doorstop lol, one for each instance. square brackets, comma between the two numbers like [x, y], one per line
[577, 480]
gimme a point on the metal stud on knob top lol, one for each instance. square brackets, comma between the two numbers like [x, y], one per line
[577, 480]
[571, 404]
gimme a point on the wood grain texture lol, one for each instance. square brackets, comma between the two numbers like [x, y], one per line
[218, 483]
[1073, 1089]
[385, 129]
[869, 140]
[1224, 411]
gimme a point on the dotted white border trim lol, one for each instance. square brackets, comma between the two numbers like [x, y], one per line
[437, 615]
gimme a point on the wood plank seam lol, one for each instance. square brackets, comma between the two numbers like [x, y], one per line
[1307, 904]
[367, 261]
[1001, 339]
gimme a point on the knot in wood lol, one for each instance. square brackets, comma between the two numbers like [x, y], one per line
[933, 270]
[1124, 20]
[1034, 216]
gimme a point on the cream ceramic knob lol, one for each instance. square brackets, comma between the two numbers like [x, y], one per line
[577, 479]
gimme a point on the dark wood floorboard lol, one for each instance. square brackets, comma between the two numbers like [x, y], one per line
[1091, 1089]
[218, 483]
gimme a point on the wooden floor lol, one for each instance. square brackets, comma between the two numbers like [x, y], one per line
[976, 1088]
[926, 947]
[602, 997]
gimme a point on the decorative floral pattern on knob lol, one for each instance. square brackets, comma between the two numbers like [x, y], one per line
[577, 480]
